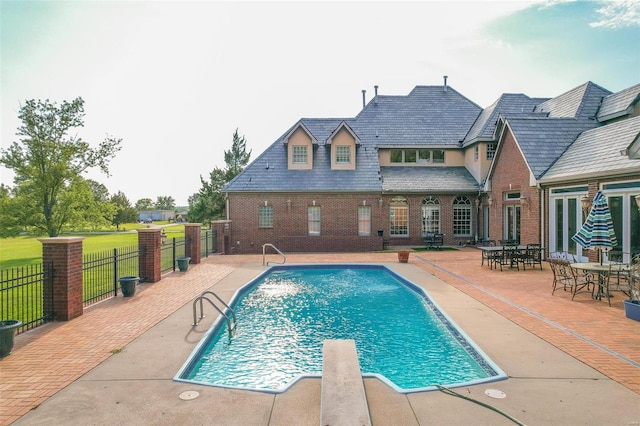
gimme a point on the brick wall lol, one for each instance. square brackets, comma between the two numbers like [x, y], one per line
[511, 174]
[339, 222]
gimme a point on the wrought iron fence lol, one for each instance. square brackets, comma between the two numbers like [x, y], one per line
[208, 243]
[171, 250]
[23, 296]
[101, 270]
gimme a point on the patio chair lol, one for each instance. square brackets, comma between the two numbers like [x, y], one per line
[583, 282]
[533, 255]
[510, 255]
[562, 274]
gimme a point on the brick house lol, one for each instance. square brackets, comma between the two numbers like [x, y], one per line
[407, 166]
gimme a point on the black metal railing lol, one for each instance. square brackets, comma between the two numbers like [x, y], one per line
[23, 296]
[101, 270]
[171, 250]
[208, 243]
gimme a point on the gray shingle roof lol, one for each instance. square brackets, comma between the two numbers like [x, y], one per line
[427, 116]
[619, 103]
[543, 140]
[580, 102]
[269, 172]
[508, 104]
[597, 152]
[427, 179]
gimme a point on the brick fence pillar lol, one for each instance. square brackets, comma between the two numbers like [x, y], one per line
[193, 242]
[223, 235]
[65, 256]
[149, 245]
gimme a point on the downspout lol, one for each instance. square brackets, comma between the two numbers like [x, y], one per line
[226, 204]
[542, 216]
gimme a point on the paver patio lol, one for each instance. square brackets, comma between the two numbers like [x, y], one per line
[50, 358]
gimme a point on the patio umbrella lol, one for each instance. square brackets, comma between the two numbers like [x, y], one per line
[597, 231]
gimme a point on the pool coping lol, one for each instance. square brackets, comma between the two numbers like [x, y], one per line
[473, 350]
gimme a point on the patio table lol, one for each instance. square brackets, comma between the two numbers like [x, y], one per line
[603, 270]
[489, 251]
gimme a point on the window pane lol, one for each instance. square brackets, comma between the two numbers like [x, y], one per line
[300, 155]
[491, 151]
[343, 154]
[438, 155]
[396, 156]
[399, 221]
[430, 215]
[462, 217]
[410, 156]
[265, 217]
[424, 155]
[364, 220]
[314, 220]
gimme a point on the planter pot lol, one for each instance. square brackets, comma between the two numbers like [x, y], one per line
[128, 285]
[403, 256]
[7, 333]
[632, 309]
[183, 263]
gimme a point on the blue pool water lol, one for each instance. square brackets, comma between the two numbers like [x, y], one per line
[285, 314]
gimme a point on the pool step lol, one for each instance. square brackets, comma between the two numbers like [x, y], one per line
[343, 400]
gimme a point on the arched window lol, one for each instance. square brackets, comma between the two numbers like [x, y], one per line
[399, 216]
[462, 216]
[430, 215]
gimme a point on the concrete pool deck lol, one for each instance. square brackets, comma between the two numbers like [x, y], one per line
[569, 362]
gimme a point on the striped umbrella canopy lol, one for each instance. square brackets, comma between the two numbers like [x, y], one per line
[597, 231]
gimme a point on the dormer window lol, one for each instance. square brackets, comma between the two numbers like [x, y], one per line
[300, 149]
[343, 148]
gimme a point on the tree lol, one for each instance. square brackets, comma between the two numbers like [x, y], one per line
[124, 212]
[144, 204]
[165, 203]
[209, 202]
[48, 163]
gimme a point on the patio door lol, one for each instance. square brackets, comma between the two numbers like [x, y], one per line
[566, 219]
[512, 222]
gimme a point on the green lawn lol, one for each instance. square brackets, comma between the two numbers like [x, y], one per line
[24, 251]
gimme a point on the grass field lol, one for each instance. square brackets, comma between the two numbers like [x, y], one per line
[24, 251]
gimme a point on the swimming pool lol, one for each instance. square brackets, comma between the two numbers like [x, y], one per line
[286, 313]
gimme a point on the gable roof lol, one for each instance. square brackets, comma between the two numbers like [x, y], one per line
[507, 104]
[543, 140]
[598, 152]
[580, 102]
[619, 104]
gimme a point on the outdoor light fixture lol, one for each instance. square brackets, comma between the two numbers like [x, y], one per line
[638, 202]
[489, 201]
[586, 204]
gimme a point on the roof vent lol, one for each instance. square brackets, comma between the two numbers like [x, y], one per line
[364, 101]
[376, 93]
[445, 83]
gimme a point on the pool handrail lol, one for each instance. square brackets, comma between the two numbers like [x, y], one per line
[264, 246]
[200, 298]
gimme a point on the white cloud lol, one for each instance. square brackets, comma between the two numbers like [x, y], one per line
[618, 14]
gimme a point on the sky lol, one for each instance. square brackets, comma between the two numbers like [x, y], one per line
[175, 79]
